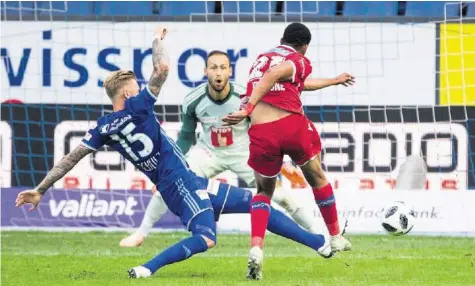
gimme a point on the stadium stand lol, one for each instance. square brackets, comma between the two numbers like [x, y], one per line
[327, 8]
[371, 9]
[121, 8]
[178, 8]
[430, 9]
[248, 7]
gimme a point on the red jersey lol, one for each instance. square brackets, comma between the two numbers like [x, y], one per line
[286, 94]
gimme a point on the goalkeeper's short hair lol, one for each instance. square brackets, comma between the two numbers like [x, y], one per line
[217, 52]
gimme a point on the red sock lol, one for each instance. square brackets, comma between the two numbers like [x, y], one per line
[326, 203]
[260, 210]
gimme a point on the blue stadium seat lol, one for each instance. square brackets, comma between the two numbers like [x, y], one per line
[370, 8]
[79, 8]
[470, 10]
[431, 9]
[231, 7]
[124, 8]
[185, 8]
[324, 8]
[13, 7]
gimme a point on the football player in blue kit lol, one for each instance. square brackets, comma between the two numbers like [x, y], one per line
[135, 133]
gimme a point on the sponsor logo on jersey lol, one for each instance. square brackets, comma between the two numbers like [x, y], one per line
[115, 124]
[208, 119]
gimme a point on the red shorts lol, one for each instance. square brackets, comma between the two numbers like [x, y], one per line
[293, 135]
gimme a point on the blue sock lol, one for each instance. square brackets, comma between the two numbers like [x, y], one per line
[178, 252]
[284, 226]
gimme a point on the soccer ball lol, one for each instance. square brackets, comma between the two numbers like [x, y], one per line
[398, 218]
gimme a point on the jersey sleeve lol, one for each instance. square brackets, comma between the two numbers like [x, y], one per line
[143, 102]
[93, 139]
[302, 67]
[187, 135]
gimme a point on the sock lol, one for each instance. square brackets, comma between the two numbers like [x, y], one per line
[155, 209]
[177, 252]
[282, 225]
[260, 209]
[303, 216]
[326, 203]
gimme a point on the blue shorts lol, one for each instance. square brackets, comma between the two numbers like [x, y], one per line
[226, 198]
[186, 200]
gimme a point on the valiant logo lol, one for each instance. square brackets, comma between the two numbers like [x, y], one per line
[88, 206]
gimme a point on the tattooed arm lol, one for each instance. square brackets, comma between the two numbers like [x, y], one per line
[63, 167]
[59, 170]
[161, 64]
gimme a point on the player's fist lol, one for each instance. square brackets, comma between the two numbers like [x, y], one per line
[29, 197]
[345, 79]
[160, 32]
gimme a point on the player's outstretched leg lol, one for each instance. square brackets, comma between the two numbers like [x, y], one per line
[304, 216]
[155, 210]
[237, 201]
[282, 225]
[203, 229]
[323, 193]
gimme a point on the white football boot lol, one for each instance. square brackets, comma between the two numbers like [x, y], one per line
[254, 264]
[339, 242]
[326, 250]
[134, 240]
[139, 272]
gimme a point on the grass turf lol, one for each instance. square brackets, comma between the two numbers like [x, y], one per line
[94, 258]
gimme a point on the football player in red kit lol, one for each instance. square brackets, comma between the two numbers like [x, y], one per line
[278, 127]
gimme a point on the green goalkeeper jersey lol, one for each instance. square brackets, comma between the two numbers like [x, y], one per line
[199, 106]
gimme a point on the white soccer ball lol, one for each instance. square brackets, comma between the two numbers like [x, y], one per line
[398, 218]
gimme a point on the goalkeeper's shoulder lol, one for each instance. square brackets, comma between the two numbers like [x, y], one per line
[194, 96]
[238, 89]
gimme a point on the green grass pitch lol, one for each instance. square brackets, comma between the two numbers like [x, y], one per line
[41, 258]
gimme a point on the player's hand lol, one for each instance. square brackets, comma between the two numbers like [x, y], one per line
[244, 101]
[28, 197]
[345, 79]
[160, 32]
[235, 118]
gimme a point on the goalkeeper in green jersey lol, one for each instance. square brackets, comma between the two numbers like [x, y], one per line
[219, 148]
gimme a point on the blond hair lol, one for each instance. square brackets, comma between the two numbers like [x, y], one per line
[116, 80]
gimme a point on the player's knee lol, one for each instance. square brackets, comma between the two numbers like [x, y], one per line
[210, 241]
[314, 174]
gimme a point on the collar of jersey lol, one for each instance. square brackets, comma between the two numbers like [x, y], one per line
[287, 47]
[231, 90]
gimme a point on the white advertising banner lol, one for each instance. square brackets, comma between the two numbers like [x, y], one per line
[61, 62]
[437, 212]
[357, 156]
[5, 155]
[370, 155]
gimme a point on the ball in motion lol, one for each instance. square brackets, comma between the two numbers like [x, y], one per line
[398, 218]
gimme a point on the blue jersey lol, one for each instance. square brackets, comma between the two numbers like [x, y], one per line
[137, 135]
